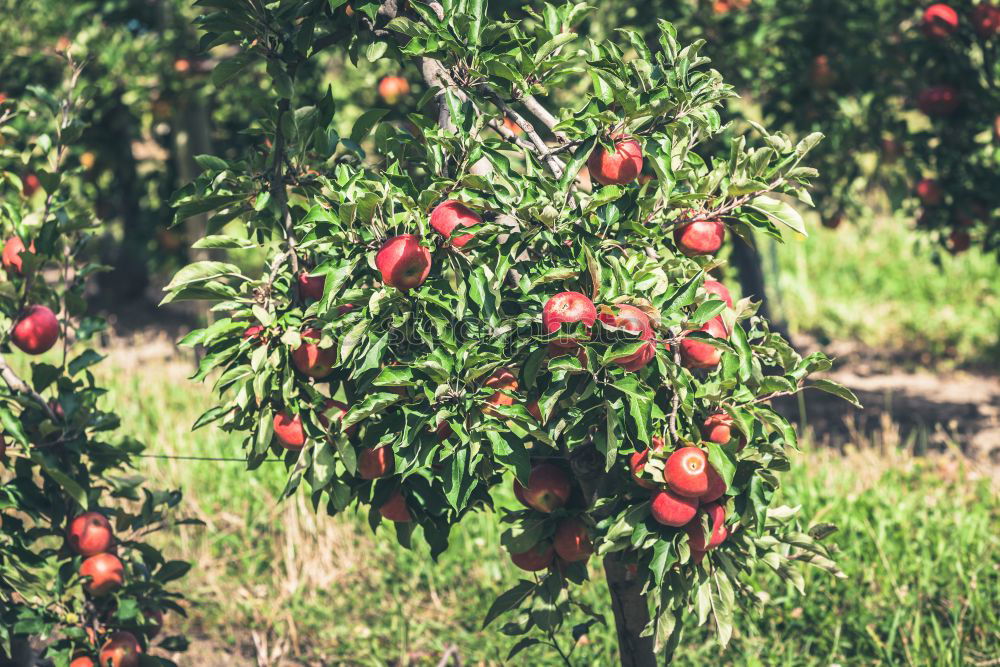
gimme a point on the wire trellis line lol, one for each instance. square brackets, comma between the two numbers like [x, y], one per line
[200, 458]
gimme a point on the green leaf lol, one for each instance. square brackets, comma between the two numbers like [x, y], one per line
[781, 212]
[69, 485]
[508, 600]
[86, 359]
[12, 426]
[364, 124]
[836, 389]
[223, 242]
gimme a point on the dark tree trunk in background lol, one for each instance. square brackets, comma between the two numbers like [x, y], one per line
[746, 259]
[631, 615]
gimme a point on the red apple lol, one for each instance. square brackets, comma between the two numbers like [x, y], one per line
[548, 488]
[929, 191]
[500, 380]
[36, 331]
[106, 574]
[821, 74]
[696, 354]
[619, 166]
[89, 534]
[375, 463]
[567, 308]
[685, 472]
[512, 126]
[395, 508]
[82, 661]
[637, 463]
[716, 486]
[634, 320]
[985, 19]
[939, 21]
[538, 557]
[253, 333]
[12, 250]
[443, 430]
[716, 288]
[448, 215]
[154, 622]
[718, 428]
[717, 520]
[557, 349]
[310, 358]
[403, 262]
[938, 100]
[700, 237]
[121, 650]
[832, 221]
[959, 241]
[572, 541]
[288, 430]
[30, 184]
[311, 287]
[671, 509]
[534, 410]
[393, 88]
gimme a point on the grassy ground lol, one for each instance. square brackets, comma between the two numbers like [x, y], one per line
[918, 542]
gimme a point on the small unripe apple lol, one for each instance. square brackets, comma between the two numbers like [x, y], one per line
[311, 287]
[106, 574]
[567, 308]
[395, 508]
[89, 534]
[700, 237]
[538, 557]
[686, 472]
[637, 463]
[716, 288]
[448, 215]
[288, 430]
[30, 184]
[393, 88]
[929, 191]
[939, 21]
[572, 540]
[696, 354]
[500, 380]
[310, 358]
[636, 321]
[12, 250]
[619, 166]
[36, 331]
[548, 488]
[375, 463]
[403, 262]
[985, 19]
[121, 650]
[672, 509]
[717, 520]
[938, 100]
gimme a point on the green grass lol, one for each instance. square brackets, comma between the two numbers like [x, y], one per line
[918, 543]
[878, 283]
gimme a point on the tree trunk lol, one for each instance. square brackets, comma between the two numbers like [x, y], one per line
[746, 259]
[631, 615]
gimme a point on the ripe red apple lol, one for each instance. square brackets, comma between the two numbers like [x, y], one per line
[685, 472]
[288, 430]
[959, 241]
[403, 262]
[939, 21]
[671, 509]
[448, 215]
[718, 428]
[929, 191]
[567, 308]
[548, 488]
[634, 320]
[716, 486]
[700, 237]
[619, 166]
[395, 508]
[572, 541]
[121, 650]
[985, 19]
[832, 221]
[718, 289]
[310, 358]
[717, 520]
[311, 287]
[393, 88]
[106, 574]
[12, 250]
[443, 430]
[696, 354]
[89, 534]
[30, 184]
[500, 380]
[36, 331]
[534, 410]
[82, 661]
[637, 463]
[375, 463]
[512, 126]
[821, 74]
[253, 333]
[938, 100]
[538, 557]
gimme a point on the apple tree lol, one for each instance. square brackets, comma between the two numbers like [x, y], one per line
[78, 581]
[450, 304]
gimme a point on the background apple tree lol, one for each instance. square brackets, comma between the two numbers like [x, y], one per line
[567, 338]
[78, 581]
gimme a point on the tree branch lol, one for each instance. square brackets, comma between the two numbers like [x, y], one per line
[555, 165]
[17, 384]
[542, 114]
